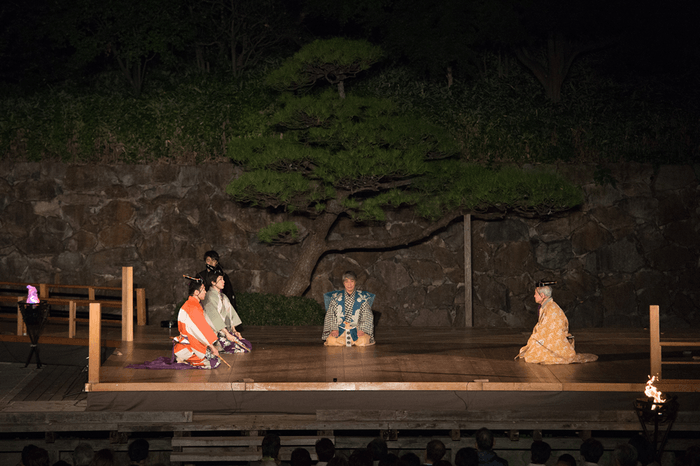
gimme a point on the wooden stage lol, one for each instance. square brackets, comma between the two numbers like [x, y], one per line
[290, 371]
[437, 380]
[294, 358]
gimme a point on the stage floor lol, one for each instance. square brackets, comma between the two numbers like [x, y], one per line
[294, 358]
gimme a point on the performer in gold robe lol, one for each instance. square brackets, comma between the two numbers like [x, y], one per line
[551, 342]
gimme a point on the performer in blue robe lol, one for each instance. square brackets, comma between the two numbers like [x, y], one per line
[349, 320]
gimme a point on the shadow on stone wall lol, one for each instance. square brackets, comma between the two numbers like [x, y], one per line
[631, 245]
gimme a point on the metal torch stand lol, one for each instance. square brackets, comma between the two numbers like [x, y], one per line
[660, 415]
[35, 316]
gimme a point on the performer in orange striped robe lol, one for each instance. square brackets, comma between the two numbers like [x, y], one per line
[195, 344]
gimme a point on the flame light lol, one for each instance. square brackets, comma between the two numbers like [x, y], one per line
[32, 297]
[652, 392]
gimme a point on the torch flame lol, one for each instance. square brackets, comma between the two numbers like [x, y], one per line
[32, 297]
[652, 392]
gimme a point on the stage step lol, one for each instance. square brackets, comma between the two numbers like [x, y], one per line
[239, 448]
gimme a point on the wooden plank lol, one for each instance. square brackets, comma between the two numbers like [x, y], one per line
[72, 308]
[141, 317]
[95, 344]
[243, 440]
[21, 328]
[654, 337]
[468, 313]
[128, 303]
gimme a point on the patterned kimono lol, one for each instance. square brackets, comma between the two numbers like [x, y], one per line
[195, 335]
[221, 315]
[347, 314]
[551, 342]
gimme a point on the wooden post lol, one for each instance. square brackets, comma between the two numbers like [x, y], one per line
[91, 294]
[127, 304]
[71, 319]
[95, 343]
[21, 329]
[468, 317]
[141, 317]
[43, 291]
[655, 341]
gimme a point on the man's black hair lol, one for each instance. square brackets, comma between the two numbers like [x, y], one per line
[540, 452]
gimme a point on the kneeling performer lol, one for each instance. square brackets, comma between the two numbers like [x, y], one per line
[349, 320]
[195, 344]
[551, 342]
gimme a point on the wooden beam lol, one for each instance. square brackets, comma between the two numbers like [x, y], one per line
[21, 328]
[141, 317]
[468, 316]
[95, 344]
[128, 303]
[654, 341]
[72, 307]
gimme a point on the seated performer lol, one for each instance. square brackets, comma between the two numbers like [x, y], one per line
[551, 342]
[349, 319]
[211, 259]
[195, 344]
[221, 315]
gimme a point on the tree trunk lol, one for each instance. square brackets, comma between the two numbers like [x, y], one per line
[313, 247]
[560, 55]
[341, 89]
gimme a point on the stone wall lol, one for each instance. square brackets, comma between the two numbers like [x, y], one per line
[632, 244]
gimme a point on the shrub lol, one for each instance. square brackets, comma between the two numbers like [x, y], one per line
[273, 309]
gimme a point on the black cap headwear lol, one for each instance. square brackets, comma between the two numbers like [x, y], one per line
[195, 283]
[542, 283]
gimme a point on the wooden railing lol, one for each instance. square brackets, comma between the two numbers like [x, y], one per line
[125, 302]
[656, 345]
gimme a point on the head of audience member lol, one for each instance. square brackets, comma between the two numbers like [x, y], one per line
[389, 459]
[325, 450]
[442, 462]
[484, 439]
[361, 457]
[83, 454]
[338, 460]
[645, 450]
[211, 258]
[591, 450]
[540, 452]
[300, 457]
[434, 451]
[379, 448]
[467, 456]
[624, 455]
[34, 456]
[409, 459]
[138, 450]
[271, 445]
[691, 457]
[104, 457]
[566, 460]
